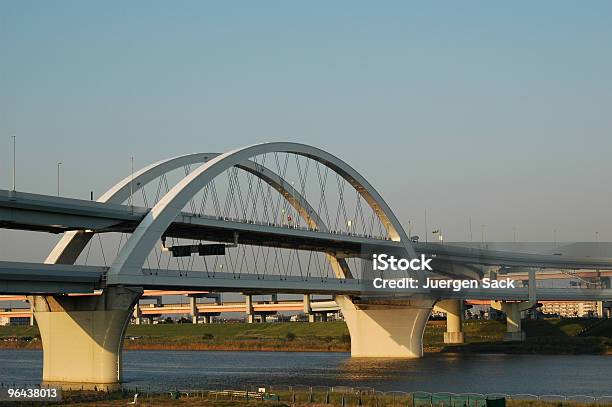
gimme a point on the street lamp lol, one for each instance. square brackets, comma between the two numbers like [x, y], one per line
[132, 184]
[439, 233]
[14, 137]
[59, 164]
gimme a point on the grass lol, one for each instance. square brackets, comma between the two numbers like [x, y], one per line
[552, 336]
[567, 327]
[476, 331]
[296, 336]
[18, 330]
[602, 328]
[243, 331]
[298, 399]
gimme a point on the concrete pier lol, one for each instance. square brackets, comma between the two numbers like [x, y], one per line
[137, 314]
[82, 336]
[386, 330]
[513, 310]
[308, 308]
[193, 309]
[248, 308]
[454, 320]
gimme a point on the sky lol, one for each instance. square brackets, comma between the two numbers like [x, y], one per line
[496, 112]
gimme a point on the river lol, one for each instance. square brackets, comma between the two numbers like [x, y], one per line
[459, 373]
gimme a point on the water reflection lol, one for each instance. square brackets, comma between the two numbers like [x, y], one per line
[458, 373]
[360, 369]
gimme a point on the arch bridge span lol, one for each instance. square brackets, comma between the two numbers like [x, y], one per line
[291, 217]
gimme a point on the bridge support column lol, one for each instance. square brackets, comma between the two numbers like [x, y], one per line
[514, 331]
[250, 315]
[386, 330]
[137, 314]
[454, 319]
[308, 308]
[600, 309]
[193, 309]
[82, 336]
[31, 315]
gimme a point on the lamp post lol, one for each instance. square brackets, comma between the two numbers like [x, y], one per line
[132, 184]
[470, 229]
[14, 137]
[426, 229]
[59, 165]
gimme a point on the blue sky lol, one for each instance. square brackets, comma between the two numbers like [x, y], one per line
[498, 112]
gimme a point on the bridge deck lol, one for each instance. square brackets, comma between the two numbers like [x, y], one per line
[32, 278]
[56, 214]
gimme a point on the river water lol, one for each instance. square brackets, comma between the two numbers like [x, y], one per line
[458, 373]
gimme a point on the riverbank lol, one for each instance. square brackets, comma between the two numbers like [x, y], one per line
[301, 398]
[551, 336]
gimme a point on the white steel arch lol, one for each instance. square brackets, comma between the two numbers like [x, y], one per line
[133, 254]
[72, 243]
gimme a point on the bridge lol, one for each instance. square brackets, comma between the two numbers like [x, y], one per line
[204, 311]
[268, 218]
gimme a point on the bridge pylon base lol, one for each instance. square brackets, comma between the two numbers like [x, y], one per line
[514, 330]
[454, 320]
[380, 330]
[454, 337]
[82, 337]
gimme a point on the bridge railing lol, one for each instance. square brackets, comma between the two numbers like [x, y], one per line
[288, 225]
[367, 396]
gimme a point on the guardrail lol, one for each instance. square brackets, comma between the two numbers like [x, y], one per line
[345, 396]
[366, 396]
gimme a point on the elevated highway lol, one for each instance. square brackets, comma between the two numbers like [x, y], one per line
[35, 278]
[26, 211]
[203, 309]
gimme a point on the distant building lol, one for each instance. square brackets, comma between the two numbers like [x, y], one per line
[4, 321]
[571, 308]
